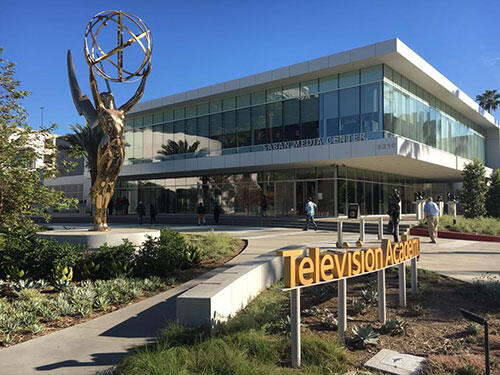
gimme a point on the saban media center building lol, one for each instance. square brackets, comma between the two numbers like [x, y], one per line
[349, 127]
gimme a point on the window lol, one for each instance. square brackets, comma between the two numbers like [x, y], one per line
[329, 83]
[274, 95]
[291, 119]
[349, 111]
[330, 113]
[275, 122]
[258, 97]
[215, 106]
[215, 132]
[259, 124]
[371, 74]
[371, 97]
[243, 101]
[228, 104]
[349, 79]
[244, 127]
[309, 88]
[203, 134]
[309, 117]
[229, 122]
[291, 91]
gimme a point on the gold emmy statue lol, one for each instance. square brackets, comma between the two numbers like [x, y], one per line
[129, 32]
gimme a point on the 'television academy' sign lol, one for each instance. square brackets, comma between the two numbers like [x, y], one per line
[318, 268]
[331, 140]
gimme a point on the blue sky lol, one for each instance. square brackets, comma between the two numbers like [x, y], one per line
[197, 43]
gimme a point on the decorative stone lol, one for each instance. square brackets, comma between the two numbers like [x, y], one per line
[94, 240]
[395, 363]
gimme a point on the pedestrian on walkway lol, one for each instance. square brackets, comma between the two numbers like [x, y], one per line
[394, 213]
[125, 203]
[310, 212]
[217, 212]
[141, 212]
[431, 212]
[201, 214]
[152, 213]
[263, 205]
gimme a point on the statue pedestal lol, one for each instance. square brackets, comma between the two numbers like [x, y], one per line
[94, 240]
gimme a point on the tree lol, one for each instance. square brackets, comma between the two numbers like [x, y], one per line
[86, 140]
[472, 195]
[180, 147]
[26, 157]
[490, 100]
[493, 196]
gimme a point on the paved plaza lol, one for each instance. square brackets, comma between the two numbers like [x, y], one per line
[99, 343]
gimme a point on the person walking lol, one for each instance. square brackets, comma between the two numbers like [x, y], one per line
[141, 212]
[217, 212]
[152, 213]
[263, 205]
[201, 214]
[431, 213]
[310, 211]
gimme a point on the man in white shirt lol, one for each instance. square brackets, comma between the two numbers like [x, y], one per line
[431, 212]
[310, 211]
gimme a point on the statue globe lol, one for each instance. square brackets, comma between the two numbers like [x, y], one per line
[101, 33]
[130, 31]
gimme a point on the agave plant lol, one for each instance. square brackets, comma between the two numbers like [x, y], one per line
[358, 306]
[364, 335]
[395, 326]
[330, 322]
[370, 296]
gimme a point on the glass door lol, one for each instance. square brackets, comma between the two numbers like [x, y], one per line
[304, 190]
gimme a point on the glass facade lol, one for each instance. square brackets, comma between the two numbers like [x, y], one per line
[340, 104]
[414, 113]
[285, 191]
[377, 101]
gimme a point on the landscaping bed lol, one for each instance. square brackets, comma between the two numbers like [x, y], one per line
[69, 285]
[257, 340]
[478, 229]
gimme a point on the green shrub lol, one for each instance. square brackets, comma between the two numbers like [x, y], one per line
[482, 225]
[213, 246]
[35, 257]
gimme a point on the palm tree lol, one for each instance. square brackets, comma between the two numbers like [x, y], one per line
[88, 141]
[490, 100]
[180, 147]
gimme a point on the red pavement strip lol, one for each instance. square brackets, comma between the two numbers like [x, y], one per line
[456, 235]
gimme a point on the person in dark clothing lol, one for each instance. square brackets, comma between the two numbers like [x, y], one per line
[110, 207]
[263, 205]
[141, 212]
[201, 214]
[395, 216]
[125, 206]
[217, 212]
[152, 213]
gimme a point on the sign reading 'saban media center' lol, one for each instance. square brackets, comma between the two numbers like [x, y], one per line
[331, 140]
[317, 268]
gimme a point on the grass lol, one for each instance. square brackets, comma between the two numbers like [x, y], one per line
[213, 246]
[250, 343]
[481, 225]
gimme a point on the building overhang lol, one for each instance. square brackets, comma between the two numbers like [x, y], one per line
[395, 155]
[392, 52]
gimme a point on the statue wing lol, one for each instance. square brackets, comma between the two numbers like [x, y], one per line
[82, 102]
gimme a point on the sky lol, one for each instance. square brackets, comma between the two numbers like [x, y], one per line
[199, 43]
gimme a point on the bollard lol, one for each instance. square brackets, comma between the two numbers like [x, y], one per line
[339, 234]
[342, 310]
[295, 327]
[381, 228]
[362, 230]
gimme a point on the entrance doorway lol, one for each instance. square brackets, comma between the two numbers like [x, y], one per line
[304, 190]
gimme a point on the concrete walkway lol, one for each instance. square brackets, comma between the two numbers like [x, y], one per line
[98, 344]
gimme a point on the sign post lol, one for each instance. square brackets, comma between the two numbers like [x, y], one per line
[381, 228]
[382, 311]
[295, 327]
[362, 230]
[402, 284]
[340, 228]
[342, 310]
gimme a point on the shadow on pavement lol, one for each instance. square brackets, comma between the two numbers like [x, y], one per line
[98, 359]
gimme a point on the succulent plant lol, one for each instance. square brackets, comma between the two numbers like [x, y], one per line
[101, 303]
[415, 310]
[63, 273]
[395, 326]
[36, 328]
[358, 306]
[330, 322]
[370, 296]
[28, 294]
[313, 311]
[364, 335]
